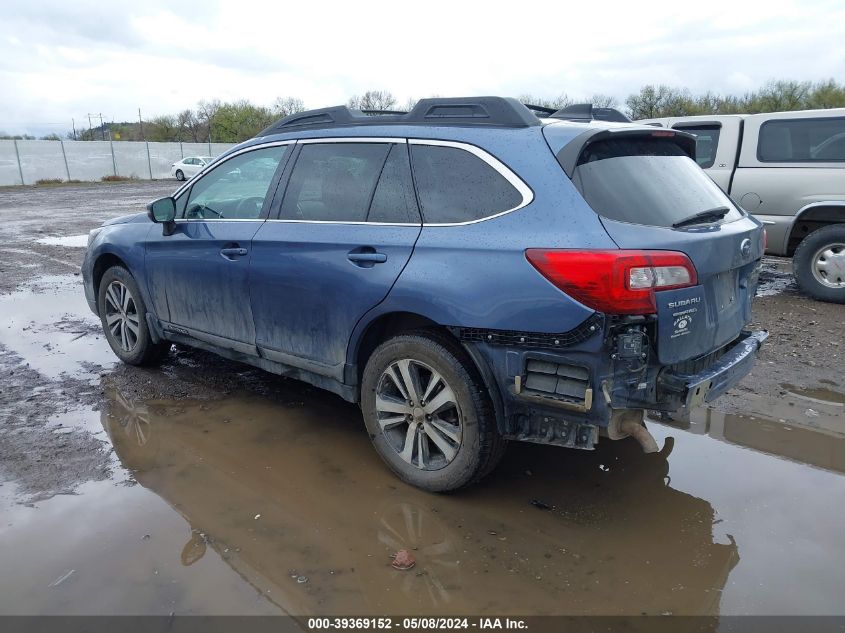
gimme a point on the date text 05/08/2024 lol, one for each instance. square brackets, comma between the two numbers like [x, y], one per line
[411, 623]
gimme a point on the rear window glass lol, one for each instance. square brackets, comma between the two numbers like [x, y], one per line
[334, 181]
[706, 142]
[456, 186]
[802, 140]
[647, 181]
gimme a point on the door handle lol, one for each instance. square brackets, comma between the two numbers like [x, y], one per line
[366, 257]
[230, 253]
[376, 258]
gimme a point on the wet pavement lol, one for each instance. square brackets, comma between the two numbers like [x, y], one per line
[207, 487]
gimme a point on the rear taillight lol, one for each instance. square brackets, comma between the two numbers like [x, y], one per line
[765, 240]
[614, 282]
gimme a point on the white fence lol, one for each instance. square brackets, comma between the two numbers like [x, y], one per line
[25, 162]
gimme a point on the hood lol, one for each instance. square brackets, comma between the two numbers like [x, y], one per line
[127, 219]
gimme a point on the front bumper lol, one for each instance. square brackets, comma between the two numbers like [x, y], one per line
[708, 384]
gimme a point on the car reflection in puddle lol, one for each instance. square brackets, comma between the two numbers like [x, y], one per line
[294, 500]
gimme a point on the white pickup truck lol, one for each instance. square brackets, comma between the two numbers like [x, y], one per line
[788, 169]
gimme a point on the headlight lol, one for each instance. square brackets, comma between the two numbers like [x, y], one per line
[93, 234]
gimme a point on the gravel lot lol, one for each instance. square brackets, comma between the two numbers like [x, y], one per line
[206, 486]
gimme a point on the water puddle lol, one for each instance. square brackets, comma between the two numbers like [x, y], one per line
[252, 505]
[48, 324]
[776, 277]
[70, 241]
[818, 395]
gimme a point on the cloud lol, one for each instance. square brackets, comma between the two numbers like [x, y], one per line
[60, 60]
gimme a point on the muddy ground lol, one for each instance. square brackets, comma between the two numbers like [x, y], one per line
[205, 486]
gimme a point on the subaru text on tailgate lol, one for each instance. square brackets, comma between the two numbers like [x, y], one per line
[467, 272]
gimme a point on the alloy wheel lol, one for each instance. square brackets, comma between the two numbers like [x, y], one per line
[122, 318]
[418, 414]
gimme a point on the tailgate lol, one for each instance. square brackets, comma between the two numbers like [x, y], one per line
[651, 194]
[700, 319]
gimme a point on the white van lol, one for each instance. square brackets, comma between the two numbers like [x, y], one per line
[788, 169]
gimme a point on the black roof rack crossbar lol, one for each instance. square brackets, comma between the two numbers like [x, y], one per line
[540, 109]
[588, 112]
[458, 111]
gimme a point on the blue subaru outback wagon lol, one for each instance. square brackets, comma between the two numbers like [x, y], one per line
[469, 272]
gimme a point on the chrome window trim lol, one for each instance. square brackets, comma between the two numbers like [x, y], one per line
[353, 139]
[219, 220]
[503, 170]
[201, 173]
[416, 224]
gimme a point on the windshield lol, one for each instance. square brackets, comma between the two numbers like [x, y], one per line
[647, 181]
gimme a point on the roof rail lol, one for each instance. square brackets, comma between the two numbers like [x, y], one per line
[374, 112]
[457, 111]
[587, 112]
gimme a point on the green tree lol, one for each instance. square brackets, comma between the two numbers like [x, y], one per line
[826, 94]
[237, 121]
[162, 128]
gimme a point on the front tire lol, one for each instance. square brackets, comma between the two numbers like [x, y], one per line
[123, 315]
[180, 175]
[428, 413]
[819, 264]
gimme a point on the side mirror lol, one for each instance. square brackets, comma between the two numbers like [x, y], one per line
[162, 210]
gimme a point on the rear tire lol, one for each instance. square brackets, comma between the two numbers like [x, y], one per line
[180, 176]
[123, 315]
[440, 434]
[819, 264]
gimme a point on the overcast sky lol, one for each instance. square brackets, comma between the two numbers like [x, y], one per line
[61, 60]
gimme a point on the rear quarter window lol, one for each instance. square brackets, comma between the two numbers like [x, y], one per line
[820, 139]
[457, 186]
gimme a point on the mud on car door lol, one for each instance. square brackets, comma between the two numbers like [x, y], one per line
[345, 225]
[201, 265]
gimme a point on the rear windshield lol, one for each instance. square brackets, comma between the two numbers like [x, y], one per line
[646, 181]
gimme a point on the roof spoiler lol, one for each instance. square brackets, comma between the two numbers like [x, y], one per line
[588, 112]
[570, 153]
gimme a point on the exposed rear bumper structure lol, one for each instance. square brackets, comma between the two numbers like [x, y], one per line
[544, 400]
[710, 383]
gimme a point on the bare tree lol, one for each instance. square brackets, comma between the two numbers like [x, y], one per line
[285, 106]
[191, 126]
[600, 100]
[556, 103]
[207, 112]
[373, 100]
[410, 102]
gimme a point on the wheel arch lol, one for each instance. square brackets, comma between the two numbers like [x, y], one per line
[812, 217]
[390, 324]
[103, 262]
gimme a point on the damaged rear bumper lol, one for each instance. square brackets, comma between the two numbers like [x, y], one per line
[695, 389]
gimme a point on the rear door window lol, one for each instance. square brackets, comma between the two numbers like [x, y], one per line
[647, 181]
[706, 142]
[456, 186]
[334, 181]
[819, 139]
